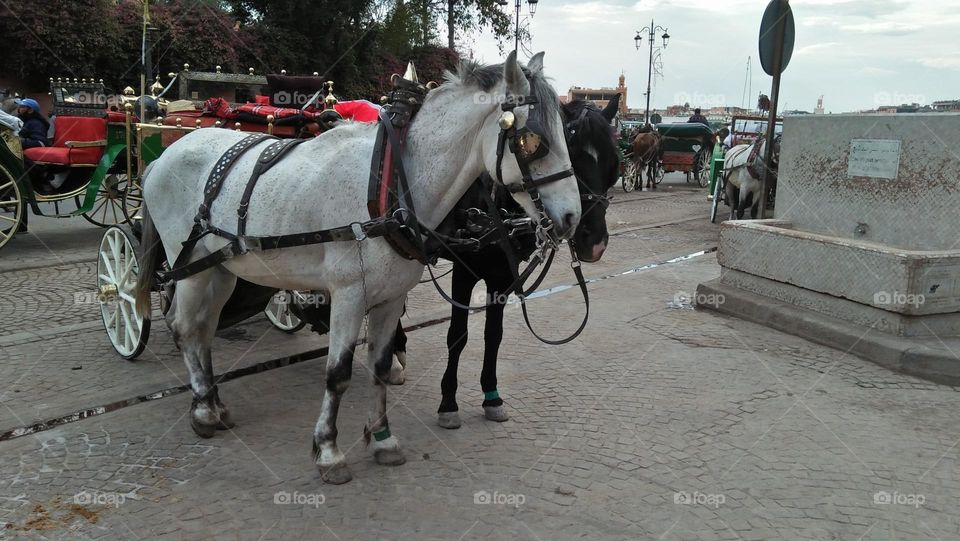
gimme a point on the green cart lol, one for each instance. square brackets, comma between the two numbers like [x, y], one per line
[86, 169]
[687, 147]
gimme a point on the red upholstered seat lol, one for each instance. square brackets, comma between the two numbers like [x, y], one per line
[70, 131]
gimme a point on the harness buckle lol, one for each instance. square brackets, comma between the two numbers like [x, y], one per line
[358, 233]
[248, 244]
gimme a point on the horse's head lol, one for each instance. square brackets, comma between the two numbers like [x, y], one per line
[775, 155]
[593, 153]
[522, 141]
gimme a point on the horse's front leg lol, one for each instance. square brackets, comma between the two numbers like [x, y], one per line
[493, 408]
[192, 319]
[346, 316]
[382, 329]
[464, 279]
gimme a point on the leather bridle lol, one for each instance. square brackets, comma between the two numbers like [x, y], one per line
[528, 144]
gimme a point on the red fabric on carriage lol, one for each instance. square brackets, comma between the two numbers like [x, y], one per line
[359, 110]
[75, 129]
[266, 110]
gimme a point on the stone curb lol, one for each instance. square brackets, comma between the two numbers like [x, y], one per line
[927, 358]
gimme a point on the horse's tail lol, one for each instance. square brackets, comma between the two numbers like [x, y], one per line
[149, 256]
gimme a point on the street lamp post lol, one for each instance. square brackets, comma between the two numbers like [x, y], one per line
[637, 40]
[532, 5]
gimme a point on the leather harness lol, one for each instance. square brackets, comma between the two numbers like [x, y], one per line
[389, 201]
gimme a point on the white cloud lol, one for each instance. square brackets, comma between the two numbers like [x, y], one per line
[847, 50]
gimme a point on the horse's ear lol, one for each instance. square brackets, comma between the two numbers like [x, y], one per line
[535, 65]
[612, 107]
[513, 76]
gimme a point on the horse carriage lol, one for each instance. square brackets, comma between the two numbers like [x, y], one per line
[86, 167]
[686, 147]
[205, 100]
[748, 134]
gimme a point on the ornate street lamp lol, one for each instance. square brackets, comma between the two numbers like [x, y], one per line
[532, 6]
[638, 41]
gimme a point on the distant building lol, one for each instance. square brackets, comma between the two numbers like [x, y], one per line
[600, 96]
[819, 109]
[946, 106]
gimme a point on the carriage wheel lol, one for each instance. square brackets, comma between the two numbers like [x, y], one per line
[658, 173]
[279, 313]
[117, 270]
[132, 200]
[11, 206]
[703, 165]
[718, 191]
[629, 182]
[108, 207]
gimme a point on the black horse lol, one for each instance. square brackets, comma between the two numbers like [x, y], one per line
[592, 146]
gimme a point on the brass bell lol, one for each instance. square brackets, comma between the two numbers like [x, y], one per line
[506, 120]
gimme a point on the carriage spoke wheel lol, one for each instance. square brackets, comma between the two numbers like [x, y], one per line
[132, 201]
[280, 314]
[108, 207]
[703, 166]
[718, 193]
[117, 270]
[11, 207]
[630, 172]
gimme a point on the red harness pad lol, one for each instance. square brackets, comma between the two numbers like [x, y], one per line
[359, 110]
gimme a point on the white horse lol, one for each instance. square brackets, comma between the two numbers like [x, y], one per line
[742, 189]
[323, 184]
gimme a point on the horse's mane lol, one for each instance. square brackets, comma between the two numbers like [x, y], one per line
[487, 77]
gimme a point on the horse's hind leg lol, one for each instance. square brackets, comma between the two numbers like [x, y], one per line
[193, 319]
[383, 325]
[399, 362]
[346, 315]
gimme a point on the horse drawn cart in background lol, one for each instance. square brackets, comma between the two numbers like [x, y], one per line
[86, 169]
[687, 147]
[208, 100]
[746, 130]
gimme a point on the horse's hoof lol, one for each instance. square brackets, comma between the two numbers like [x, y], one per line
[336, 474]
[396, 376]
[449, 419]
[496, 413]
[389, 457]
[202, 430]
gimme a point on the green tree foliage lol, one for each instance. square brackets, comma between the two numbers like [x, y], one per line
[357, 43]
[470, 15]
[56, 38]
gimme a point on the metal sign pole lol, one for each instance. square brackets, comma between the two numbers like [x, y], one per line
[772, 118]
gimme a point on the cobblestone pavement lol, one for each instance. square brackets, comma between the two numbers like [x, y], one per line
[659, 422]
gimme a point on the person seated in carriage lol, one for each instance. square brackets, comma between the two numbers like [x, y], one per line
[35, 127]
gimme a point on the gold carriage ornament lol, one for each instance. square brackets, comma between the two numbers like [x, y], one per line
[330, 100]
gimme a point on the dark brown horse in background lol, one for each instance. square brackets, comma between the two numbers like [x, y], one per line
[647, 153]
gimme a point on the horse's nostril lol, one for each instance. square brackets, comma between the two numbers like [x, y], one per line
[568, 221]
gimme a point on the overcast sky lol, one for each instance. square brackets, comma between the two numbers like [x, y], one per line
[858, 53]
